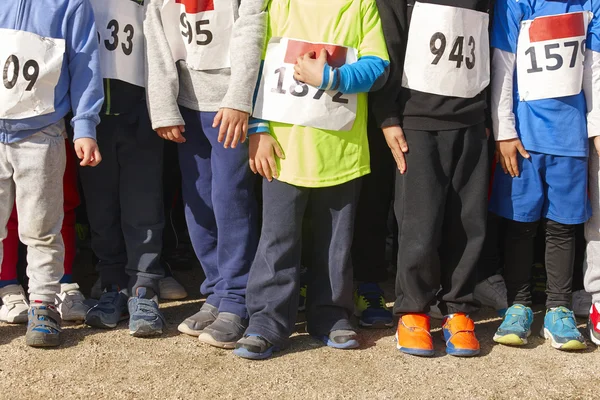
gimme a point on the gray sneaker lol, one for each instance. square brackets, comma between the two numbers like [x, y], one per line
[224, 333]
[195, 324]
[43, 328]
[491, 292]
[110, 310]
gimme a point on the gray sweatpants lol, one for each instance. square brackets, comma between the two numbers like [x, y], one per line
[591, 266]
[31, 173]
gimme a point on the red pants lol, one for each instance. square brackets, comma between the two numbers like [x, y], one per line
[8, 271]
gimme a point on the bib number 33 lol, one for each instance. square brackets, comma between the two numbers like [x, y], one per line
[281, 98]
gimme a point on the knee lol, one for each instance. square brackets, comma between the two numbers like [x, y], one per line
[558, 229]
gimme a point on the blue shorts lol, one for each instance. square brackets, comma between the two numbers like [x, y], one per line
[552, 187]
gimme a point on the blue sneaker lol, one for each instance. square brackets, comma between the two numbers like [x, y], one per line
[145, 318]
[516, 327]
[43, 327]
[110, 309]
[370, 307]
[560, 327]
[340, 339]
[254, 347]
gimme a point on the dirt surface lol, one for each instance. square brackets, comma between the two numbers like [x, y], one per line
[95, 364]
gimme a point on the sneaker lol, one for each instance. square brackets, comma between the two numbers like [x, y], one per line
[340, 339]
[170, 289]
[195, 324]
[43, 327]
[516, 327]
[224, 333]
[581, 304]
[370, 307]
[109, 311]
[254, 347]
[561, 328]
[302, 299]
[594, 323]
[96, 291]
[145, 318]
[413, 335]
[459, 333]
[70, 303]
[491, 292]
[14, 305]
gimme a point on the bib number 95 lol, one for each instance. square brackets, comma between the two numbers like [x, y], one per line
[205, 36]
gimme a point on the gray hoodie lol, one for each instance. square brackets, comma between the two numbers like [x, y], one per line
[170, 84]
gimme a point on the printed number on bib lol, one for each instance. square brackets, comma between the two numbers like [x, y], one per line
[550, 54]
[199, 32]
[449, 51]
[120, 39]
[281, 98]
[31, 66]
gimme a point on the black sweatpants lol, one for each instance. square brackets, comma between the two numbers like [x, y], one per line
[519, 256]
[371, 226]
[125, 201]
[441, 207]
[274, 282]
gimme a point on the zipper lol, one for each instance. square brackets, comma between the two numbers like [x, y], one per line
[19, 16]
[107, 99]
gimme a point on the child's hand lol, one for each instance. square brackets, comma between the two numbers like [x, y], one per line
[262, 160]
[310, 70]
[88, 152]
[506, 153]
[597, 144]
[172, 133]
[234, 123]
[394, 136]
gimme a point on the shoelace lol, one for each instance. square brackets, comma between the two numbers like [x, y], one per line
[374, 300]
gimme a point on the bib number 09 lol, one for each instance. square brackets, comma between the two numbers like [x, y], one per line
[205, 35]
[558, 59]
[437, 46]
[31, 72]
[301, 89]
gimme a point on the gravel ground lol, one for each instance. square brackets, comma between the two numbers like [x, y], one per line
[112, 365]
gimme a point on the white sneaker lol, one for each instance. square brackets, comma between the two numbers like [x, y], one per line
[170, 289]
[582, 302]
[491, 292]
[69, 303]
[14, 305]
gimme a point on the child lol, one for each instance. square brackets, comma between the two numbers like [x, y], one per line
[124, 195]
[592, 227]
[432, 112]
[50, 53]
[202, 68]
[313, 93]
[539, 113]
[69, 301]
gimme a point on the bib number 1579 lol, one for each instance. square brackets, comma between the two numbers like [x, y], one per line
[558, 60]
[203, 36]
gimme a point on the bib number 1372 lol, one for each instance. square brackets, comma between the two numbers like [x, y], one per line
[438, 44]
[300, 89]
[557, 60]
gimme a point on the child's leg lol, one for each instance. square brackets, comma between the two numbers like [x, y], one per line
[274, 282]
[560, 257]
[329, 303]
[39, 165]
[71, 199]
[10, 246]
[101, 189]
[140, 157]
[592, 232]
[518, 259]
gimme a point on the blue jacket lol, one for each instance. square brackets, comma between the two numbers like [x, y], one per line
[80, 84]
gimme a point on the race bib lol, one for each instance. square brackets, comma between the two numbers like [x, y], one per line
[199, 32]
[447, 51]
[550, 53]
[121, 39]
[31, 66]
[281, 98]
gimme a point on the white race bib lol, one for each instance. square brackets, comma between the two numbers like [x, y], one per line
[121, 40]
[283, 99]
[550, 53]
[31, 66]
[199, 32]
[447, 51]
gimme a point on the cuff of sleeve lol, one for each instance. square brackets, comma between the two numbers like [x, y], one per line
[83, 128]
[236, 105]
[330, 78]
[163, 123]
[389, 121]
[258, 126]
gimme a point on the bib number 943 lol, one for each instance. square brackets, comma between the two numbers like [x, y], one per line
[437, 46]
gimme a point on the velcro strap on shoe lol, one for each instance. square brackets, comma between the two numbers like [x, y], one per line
[46, 317]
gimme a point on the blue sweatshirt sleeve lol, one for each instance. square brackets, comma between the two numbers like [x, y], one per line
[368, 74]
[86, 91]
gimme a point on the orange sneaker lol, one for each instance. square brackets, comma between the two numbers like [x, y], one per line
[459, 334]
[413, 336]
